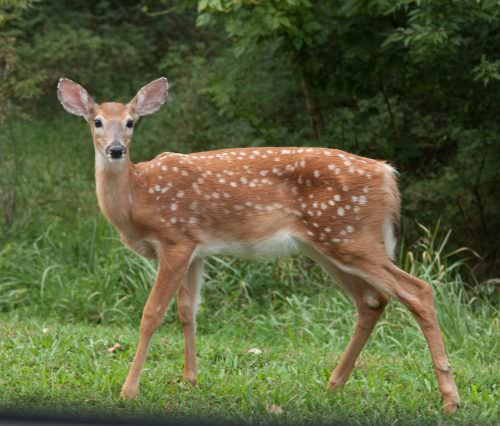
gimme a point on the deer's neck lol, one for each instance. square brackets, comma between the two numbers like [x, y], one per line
[114, 191]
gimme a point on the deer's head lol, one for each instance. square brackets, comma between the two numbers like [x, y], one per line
[112, 123]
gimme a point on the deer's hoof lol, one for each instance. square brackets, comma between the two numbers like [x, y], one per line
[129, 392]
[336, 385]
[451, 407]
[190, 378]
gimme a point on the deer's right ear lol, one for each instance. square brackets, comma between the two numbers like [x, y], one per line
[74, 98]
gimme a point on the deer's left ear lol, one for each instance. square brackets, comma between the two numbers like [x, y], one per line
[150, 98]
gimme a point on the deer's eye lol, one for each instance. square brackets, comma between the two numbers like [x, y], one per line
[98, 122]
[130, 123]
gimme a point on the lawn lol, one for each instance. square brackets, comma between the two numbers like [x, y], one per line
[67, 366]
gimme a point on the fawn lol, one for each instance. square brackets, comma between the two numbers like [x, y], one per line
[337, 208]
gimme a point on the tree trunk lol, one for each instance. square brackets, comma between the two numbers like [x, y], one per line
[315, 115]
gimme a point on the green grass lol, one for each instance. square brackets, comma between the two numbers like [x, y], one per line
[66, 367]
[69, 291]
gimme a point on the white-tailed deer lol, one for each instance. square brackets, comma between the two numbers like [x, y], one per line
[339, 209]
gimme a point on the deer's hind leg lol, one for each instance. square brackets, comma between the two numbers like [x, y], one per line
[376, 269]
[418, 297]
[370, 305]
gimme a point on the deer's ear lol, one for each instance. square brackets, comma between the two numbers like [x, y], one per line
[74, 98]
[150, 98]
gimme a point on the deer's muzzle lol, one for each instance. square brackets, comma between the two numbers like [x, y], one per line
[116, 150]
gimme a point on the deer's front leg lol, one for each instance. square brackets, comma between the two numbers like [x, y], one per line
[173, 264]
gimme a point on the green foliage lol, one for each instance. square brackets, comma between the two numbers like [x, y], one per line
[413, 82]
[19, 80]
[16, 86]
[296, 23]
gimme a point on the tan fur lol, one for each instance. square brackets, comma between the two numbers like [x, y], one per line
[337, 208]
[241, 194]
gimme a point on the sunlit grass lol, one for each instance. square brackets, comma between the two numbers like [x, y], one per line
[63, 366]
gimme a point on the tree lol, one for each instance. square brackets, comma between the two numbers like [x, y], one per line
[300, 29]
[16, 86]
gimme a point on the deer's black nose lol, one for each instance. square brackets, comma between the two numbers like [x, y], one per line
[116, 150]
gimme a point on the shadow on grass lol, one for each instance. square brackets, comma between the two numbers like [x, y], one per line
[75, 416]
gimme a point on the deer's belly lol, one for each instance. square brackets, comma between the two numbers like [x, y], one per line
[279, 244]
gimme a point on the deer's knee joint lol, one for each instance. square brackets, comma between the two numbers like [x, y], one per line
[187, 311]
[444, 366]
[420, 303]
[424, 314]
[371, 301]
[375, 301]
[151, 320]
[186, 314]
[425, 291]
